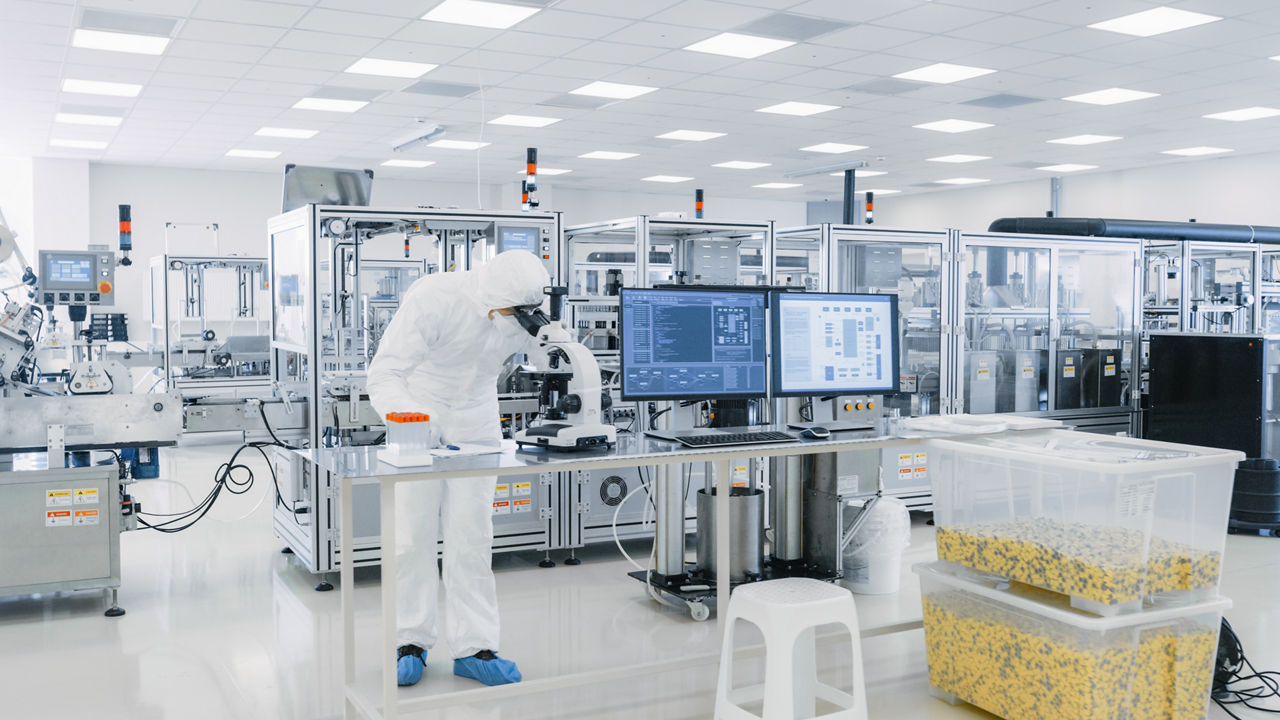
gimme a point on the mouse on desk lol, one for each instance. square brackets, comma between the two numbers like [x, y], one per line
[816, 432]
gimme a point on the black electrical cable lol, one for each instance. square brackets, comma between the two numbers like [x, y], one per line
[1227, 677]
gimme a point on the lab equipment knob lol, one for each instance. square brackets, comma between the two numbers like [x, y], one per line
[606, 400]
[210, 335]
[570, 404]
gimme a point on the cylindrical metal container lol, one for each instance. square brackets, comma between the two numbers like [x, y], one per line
[746, 546]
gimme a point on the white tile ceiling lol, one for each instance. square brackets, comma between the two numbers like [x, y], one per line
[237, 65]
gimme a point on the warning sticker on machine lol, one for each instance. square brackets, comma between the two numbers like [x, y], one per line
[1109, 370]
[502, 507]
[521, 489]
[1069, 371]
[86, 517]
[86, 496]
[904, 460]
[57, 518]
[983, 373]
[57, 498]
[502, 491]
[522, 506]
[1028, 370]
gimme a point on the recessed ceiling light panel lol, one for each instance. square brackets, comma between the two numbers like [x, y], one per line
[667, 178]
[1155, 21]
[943, 73]
[458, 144]
[1085, 139]
[280, 132]
[742, 165]
[97, 87]
[409, 163]
[952, 125]
[477, 13]
[67, 118]
[1197, 151]
[800, 109]
[833, 148]
[616, 91]
[534, 121]
[861, 173]
[1249, 113]
[690, 135]
[119, 42]
[390, 68]
[1111, 96]
[776, 185]
[607, 155]
[258, 154]
[883, 191]
[1067, 167]
[329, 104]
[962, 181]
[959, 158]
[78, 144]
[739, 46]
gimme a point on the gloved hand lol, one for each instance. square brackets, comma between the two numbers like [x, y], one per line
[410, 665]
[488, 668]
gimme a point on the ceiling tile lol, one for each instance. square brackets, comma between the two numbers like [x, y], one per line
[253, 12]
[356, 23]
[224, 32]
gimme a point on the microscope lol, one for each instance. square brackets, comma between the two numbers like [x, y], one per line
[571, 396]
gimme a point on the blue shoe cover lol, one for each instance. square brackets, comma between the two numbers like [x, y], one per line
[413, 660]
[488, 668]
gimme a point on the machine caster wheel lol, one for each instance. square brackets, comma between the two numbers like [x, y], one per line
[114, 612]
[286, 551]
[324, 586]
[699, 611]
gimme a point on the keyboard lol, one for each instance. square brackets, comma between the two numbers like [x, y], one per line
[744, 438]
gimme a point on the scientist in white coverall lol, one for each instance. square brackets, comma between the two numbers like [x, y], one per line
[441, 355]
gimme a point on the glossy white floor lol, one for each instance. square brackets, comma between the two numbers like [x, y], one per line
[221, 625]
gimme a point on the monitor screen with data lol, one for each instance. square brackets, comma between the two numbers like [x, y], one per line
[693, 344]
[834, 344]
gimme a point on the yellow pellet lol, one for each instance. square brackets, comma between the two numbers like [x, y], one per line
[1098, 563]
[1023, 667]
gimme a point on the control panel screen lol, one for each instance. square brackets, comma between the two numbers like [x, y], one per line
[692, 344]
[835, 344]
[518, 238]
[71, 271]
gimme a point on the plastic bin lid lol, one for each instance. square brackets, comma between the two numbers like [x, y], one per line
[1093, 452]
[1058, 607]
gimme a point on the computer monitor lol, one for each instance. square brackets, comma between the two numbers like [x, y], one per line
[834, 344]
[692, 344]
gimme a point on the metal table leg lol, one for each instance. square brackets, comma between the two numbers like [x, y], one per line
[347, 592]
[387, 648]
[724, 487]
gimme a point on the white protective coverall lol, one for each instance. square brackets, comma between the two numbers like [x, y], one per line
[441, 355]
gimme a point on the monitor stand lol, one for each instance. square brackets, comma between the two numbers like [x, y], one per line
[731, 413]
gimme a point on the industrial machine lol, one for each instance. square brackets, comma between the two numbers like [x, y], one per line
[337, 276]
[70, 441]
[571, 394]
[208, 316]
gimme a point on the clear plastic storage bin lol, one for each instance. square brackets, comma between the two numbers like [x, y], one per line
[409, 439]
[1105, 520]
[1023, 653]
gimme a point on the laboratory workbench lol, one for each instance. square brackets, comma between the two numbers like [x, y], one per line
[352, 464]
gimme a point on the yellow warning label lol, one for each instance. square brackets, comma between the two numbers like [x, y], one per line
[1068, 372]
[1028, 372]
[1109, 370]
[1111, 358]
[521, 489]
[983, 373]
[904, 460]
[86, 517]
[522, 506]
[501, 490]
[57, 498]
[921, 458]
[86, 496]
[1068, 360]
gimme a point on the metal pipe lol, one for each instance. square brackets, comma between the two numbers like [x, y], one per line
[1141, 229]
[850, 204]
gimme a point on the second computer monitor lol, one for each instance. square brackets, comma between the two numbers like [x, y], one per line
[692, 344]
[834, 344]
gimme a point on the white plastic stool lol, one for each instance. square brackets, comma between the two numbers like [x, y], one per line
[787, 613]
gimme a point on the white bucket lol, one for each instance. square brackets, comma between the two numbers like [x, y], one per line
[873, 560]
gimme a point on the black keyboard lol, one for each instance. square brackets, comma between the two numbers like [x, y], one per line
[745, 438]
